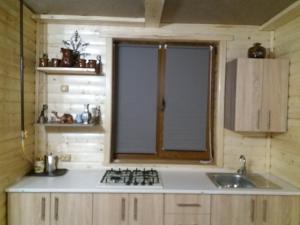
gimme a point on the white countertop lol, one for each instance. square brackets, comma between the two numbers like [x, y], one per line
[174, 181]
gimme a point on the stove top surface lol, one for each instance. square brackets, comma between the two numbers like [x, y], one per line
[131, 178]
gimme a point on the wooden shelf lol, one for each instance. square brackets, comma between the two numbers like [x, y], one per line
[68, 71]
[66, 125]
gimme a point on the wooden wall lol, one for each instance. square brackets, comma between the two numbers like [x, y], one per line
[285, 150]
[12, 164]
[86, 148]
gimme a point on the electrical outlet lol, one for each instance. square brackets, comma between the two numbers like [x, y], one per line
[65, 157]
[64, 88]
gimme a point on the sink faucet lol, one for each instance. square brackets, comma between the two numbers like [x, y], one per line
[242, 170]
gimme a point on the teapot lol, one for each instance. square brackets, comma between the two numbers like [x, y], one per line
[51, 162]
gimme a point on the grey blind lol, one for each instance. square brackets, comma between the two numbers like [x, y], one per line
[186, 97]
[136, 71]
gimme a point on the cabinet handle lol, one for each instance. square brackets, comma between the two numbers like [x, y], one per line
[163, 105]
[188, 205]
[269, 120]
[56, 202]
[258, 120]
[135, 213]
[123, 209]
[252, 210]
[43, 208]
[265, 210]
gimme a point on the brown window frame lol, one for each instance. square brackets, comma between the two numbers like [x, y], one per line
[161, 155]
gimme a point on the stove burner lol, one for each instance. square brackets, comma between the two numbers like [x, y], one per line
[128, 177]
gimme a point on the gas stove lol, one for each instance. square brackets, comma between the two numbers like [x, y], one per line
[131, 178]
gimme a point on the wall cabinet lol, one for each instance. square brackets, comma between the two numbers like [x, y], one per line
[256, 95]
[187, 209]
[255, 210]
[49, 209]
[129, 209]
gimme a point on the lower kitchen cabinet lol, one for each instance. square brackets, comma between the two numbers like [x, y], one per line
[28, 209]
[128, 209]
[49, 209]
[187, 209]
[278, 210]
[255, 210]
[73, 209]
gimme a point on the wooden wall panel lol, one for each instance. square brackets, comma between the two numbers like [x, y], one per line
[240, 38]
[285, 151]
[12, 164]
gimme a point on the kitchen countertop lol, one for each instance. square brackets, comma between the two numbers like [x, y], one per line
[174, 181]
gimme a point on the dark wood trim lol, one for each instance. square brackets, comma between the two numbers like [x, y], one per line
[160, 111]
[163, 155]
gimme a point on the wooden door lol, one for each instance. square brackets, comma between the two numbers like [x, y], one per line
[275, 95]
[110, 209]
[233, 210]
[146, 209]
[28, 209]
[278, 210]
[249, 81]
[75, 209]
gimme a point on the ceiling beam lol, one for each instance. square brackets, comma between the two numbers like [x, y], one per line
[153, 12]
[49, 18]
[287, 15]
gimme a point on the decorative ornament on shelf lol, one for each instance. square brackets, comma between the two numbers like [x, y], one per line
[77, 45]
[257, 51]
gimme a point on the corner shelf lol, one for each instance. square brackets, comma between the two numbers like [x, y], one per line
[68, 71]
[71, 128]
[66, 125]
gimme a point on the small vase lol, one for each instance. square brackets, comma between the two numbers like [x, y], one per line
[86, 116]
[257, 51]
[67, 58]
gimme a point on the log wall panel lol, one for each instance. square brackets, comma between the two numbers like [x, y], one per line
[285, 151]
[92, 89]
[12, 164]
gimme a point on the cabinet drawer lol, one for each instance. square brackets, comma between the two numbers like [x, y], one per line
[190, 219]
[187, 204]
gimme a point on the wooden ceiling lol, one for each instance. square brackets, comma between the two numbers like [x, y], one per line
[233, 12]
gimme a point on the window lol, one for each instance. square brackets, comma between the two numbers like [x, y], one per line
[162, 100]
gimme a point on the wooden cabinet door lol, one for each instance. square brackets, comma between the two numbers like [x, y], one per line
[146, 209]
[278, 210]
[110, 209]
[28, 209]
[75, 209]
[275, 95]
[249, 81]
[233, 210]
[187, 219]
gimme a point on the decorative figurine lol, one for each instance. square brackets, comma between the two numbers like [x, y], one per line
[65, 118]
[43, 115]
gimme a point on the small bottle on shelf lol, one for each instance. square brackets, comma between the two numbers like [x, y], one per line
[86, 116]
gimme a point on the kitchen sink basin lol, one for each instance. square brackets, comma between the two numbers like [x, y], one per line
[234, 180]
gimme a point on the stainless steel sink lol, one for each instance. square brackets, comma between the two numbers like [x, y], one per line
[234, 180]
